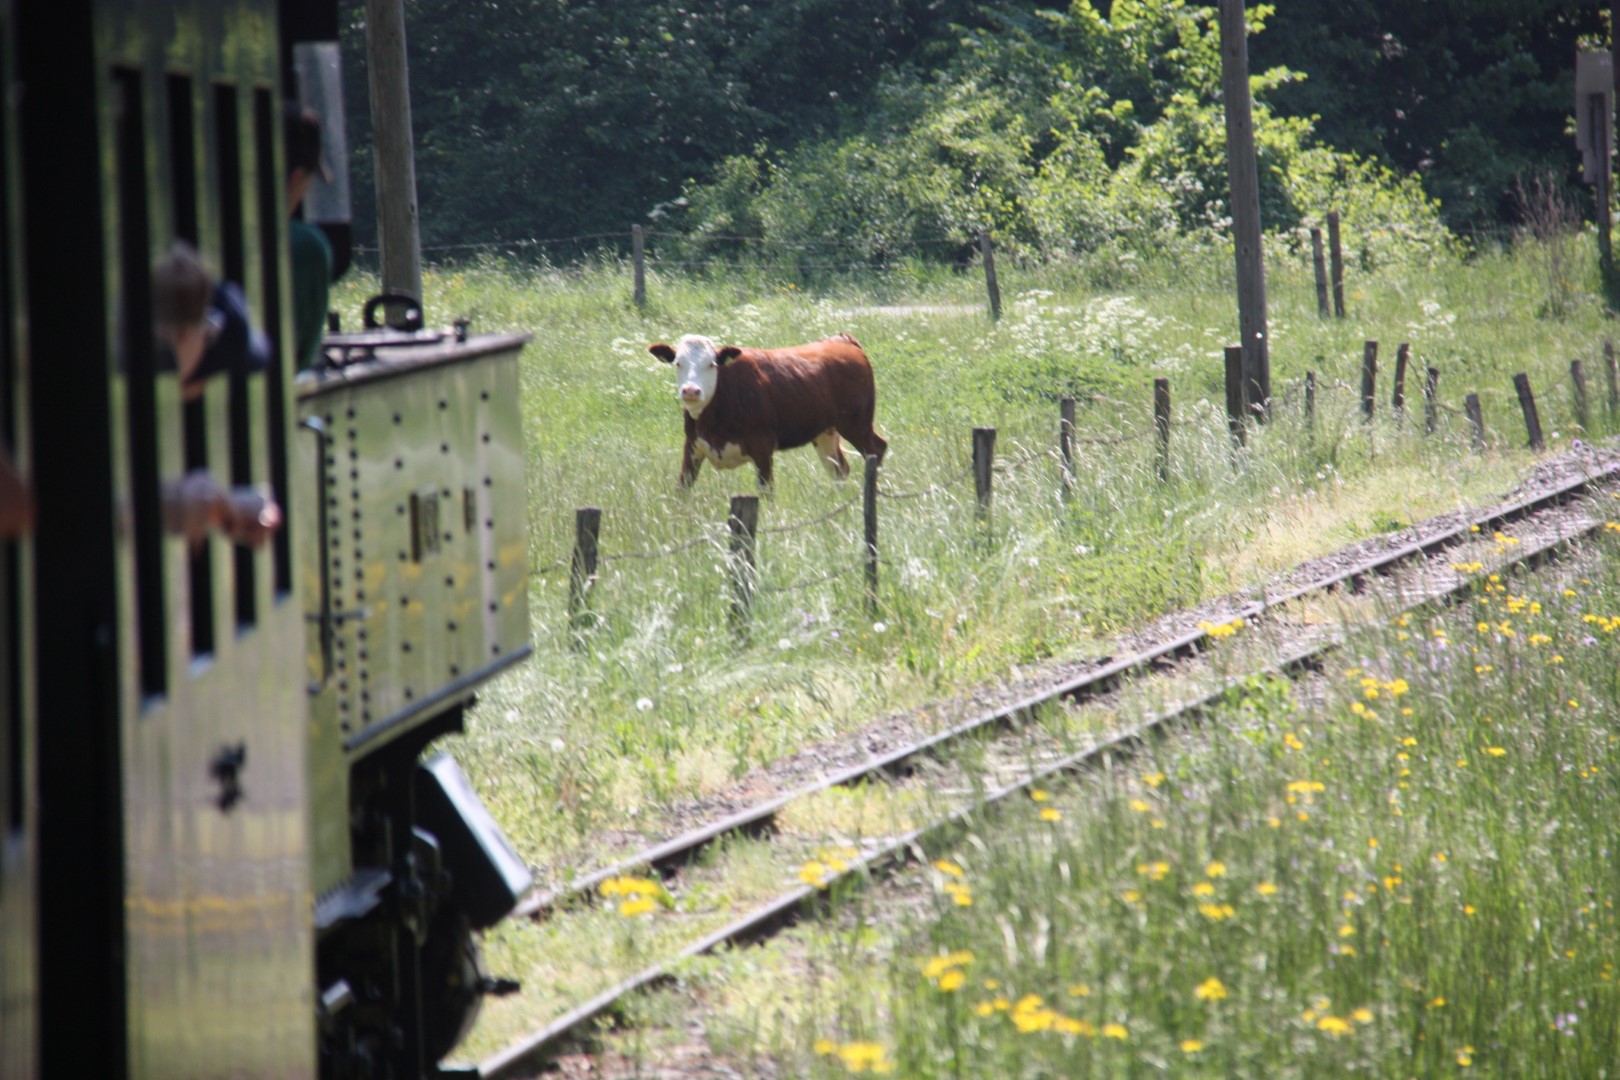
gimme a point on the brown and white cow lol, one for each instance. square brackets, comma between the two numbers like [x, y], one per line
[745, 404]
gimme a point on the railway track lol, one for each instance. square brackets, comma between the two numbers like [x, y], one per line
[1414, 581]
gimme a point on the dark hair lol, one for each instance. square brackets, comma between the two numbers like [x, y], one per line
[181, 287]
[302, 132]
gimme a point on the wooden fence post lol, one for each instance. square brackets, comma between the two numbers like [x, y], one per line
[869, 483]
[984, 454]
[1236, 410]
[1403, 353]
[1527, 402]
[1369, 378]
[638, 262]
[1431, 400]
[1161, 426]
[1476, 421]
[1336, 256]
[1614, 378]
[582, 572]
[990, 275]
[1577, 381]
[1310, 400]
[1319, 264]
[744, 526]
[1066, 441]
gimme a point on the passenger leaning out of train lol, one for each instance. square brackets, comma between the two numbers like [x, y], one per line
[205, 325]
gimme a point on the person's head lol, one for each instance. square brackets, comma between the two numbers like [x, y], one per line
[301, 132]
[181, 292]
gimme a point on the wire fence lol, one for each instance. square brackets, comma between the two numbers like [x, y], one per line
[1202, 412]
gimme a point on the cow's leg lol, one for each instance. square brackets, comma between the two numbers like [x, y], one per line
[828, 446]
[690, 464]
[864, 438]
[760, 450]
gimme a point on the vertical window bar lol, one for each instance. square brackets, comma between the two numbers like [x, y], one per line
[272, 214]
[183, 157]
[139, 371]
[239, 427]
[11, 629]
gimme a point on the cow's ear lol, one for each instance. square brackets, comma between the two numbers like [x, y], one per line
[727, 352]
[663, 352]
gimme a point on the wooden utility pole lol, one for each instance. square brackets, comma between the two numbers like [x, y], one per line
[397, 225]
[1594, 129]
[1245, 187]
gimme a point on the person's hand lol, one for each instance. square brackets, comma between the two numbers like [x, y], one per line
[192, 505]
[248, 515]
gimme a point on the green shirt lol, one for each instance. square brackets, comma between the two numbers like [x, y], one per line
[311, 289]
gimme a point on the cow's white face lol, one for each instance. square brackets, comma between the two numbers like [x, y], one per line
[697, 363]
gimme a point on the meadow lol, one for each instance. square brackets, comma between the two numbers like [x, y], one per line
[657, 699]
[1080, 927]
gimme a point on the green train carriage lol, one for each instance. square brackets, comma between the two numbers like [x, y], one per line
[223, 847]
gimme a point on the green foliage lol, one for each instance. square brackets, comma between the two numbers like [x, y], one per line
[558, 119]
[1466, 94]
[1087, 130]
[1063, 135]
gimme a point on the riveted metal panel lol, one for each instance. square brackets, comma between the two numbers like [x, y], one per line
[425, 508]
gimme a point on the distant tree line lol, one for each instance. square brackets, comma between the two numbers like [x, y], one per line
[900, 128]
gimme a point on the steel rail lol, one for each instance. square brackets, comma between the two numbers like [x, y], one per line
[788, 906]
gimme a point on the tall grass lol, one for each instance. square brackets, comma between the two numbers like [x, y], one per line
[1409, 871]
[660, 700]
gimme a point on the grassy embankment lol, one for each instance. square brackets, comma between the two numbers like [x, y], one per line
[1412, 874]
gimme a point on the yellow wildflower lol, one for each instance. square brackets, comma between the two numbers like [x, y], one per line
[859, 1057]
[1211, 989]
[1115, 1031]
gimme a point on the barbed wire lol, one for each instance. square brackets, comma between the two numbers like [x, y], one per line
[797, 586]
[828, 516]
